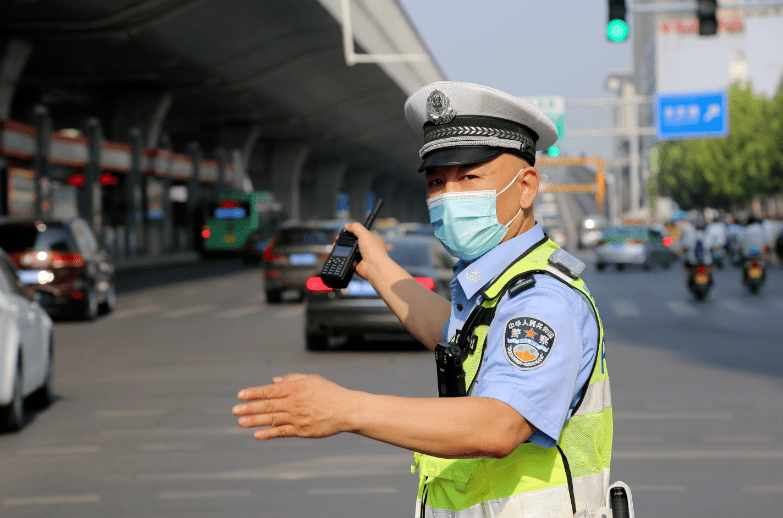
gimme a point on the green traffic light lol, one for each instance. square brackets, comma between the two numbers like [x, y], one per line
[617, 30]
[554, 151]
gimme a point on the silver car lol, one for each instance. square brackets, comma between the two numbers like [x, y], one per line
[632, 245]
[358, 310]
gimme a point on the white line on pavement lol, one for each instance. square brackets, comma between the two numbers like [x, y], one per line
[737, 438]
[53, 500]
[669, 416]
[354, 491]
[735, 307]
[239, 312]
[132, 312]
[762, 489]
[186, 312]
[176, 446]
[177, 431]
[288, 312]
[660, 488]
[700, 454]
[681, 308]
[191, 495]
[141, 412]
[625, 308]
[60, 450]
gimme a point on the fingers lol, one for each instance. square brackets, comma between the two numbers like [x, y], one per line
[262, 392]
[274, 433]
[260, 407]
[253, 421]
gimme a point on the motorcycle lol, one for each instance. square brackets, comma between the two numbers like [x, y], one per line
[700, 280]
[753, 274]
[717, 256]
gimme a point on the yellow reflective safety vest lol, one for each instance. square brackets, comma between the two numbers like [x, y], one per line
[532, 481]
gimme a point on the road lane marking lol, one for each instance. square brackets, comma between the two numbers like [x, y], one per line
[288, 312]
[760, 489]
[700, 454]
[178, 431]
[638, 438]
[239, 312]
[737, 438]
[354, 491]
[736, 307]
[176, 446]
[53, 500]
[659, 488]
[670, 416]
[625, 308]
[141, 412]
[186, 312]
[132, 312]
[192, 495]
[59, 450]
[682, 308]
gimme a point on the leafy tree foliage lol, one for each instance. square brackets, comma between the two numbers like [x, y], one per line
[715, 172]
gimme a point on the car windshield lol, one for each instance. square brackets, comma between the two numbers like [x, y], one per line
[409, 254]
[21, 237]
[623, 234]
[305, 236]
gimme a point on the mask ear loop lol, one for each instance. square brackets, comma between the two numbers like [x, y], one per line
[504, 190]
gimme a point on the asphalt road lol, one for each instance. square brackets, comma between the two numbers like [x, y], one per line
[142, 425]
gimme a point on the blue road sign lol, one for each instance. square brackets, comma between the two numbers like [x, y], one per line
[691, 115]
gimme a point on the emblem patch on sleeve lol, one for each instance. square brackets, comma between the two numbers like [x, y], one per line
[528, 342]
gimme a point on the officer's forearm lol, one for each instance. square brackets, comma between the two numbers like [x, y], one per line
[421, 311]
[464, 427]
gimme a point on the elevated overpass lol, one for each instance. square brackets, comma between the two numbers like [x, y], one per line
[258, 92]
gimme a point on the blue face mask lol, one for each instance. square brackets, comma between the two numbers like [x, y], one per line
[467, 222]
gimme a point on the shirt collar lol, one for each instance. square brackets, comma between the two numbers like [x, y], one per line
[473, 277]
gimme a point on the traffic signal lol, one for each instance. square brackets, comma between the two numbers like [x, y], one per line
[553, 151]
[707, 12]
[617, 27]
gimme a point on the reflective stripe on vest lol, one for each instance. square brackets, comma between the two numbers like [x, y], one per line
[532, 480]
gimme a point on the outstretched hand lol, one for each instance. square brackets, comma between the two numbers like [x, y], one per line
[296, 405]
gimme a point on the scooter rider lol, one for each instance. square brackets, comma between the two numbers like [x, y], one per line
[533, 436]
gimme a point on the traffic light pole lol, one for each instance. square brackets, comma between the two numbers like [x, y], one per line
[691, 7]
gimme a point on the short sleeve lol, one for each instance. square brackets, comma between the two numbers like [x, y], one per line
[534, 354]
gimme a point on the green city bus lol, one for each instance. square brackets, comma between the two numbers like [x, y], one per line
[231, 219]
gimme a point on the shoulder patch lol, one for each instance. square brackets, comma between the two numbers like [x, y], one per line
[528, 342]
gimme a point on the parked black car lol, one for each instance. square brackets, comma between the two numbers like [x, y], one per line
[62, 264]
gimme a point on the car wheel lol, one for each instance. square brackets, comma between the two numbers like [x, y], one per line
[316, 342]
[620, 267]
[91, 310]
[647, 266]
[44, 396]
[110, 303]
[601, 266]
[273, 296]
[667, 264]
[12, 415]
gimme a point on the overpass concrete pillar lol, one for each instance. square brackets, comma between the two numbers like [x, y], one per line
[12, 61]
[195, 207]
[133, 195]
[43, 123]
[161, 110]
[288, 159]
[328, 179]
[89, 196]
[358, 188]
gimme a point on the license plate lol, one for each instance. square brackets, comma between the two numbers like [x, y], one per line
[29, 276]
[302, 259]
[702, 279]
[360, 287]
[755, 273]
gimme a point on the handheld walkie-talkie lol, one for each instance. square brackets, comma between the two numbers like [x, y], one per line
[338, 269]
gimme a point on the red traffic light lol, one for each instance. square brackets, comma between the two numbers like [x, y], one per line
[76, 180]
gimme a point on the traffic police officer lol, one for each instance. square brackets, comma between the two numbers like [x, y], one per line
[534, 436]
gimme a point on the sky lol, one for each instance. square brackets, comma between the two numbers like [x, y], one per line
[527, 47]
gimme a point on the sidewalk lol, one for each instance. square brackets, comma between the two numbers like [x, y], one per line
[138, 263]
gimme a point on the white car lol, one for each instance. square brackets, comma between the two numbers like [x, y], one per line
[26, 349]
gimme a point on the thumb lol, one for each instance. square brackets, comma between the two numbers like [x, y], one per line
[289, 377]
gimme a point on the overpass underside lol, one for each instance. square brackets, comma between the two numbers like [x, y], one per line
[257, 88]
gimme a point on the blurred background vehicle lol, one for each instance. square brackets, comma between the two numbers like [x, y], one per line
[26, 348]
[417, 229]
[633, 245]
[295, 253]
[591, 229]
[61, 263]
[237, 219]
[358, 310]
[558, 235]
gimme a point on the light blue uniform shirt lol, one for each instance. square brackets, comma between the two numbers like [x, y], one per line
[546, 394]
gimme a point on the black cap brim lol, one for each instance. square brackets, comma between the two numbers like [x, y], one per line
[460, 156]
